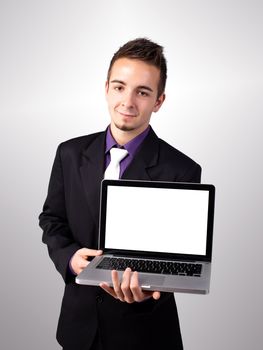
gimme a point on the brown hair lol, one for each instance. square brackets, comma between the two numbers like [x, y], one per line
[145, 50]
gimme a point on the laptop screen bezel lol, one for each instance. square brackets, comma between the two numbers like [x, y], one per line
[157, 184]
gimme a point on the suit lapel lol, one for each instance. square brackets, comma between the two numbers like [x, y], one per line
[92, 170]
[145, 160]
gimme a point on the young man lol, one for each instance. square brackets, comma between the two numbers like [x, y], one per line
[122, 317]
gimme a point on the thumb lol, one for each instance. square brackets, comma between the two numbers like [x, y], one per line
[90, 252]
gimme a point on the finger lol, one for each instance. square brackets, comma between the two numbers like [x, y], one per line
[125, 286]
[116, 285]
[156, 295]
[138, 294]
[108, 289]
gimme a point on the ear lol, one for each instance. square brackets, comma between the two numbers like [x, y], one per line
[106, 87]
[159, 102]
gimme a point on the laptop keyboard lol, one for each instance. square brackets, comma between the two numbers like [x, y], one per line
[151, 266]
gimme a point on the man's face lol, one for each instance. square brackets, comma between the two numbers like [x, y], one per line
[131, 94]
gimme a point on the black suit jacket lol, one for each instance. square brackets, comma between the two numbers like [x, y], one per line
[70, 221]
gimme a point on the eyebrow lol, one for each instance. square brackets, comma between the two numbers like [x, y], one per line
[144, 87]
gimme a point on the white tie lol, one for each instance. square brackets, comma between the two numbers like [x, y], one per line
[113, 169]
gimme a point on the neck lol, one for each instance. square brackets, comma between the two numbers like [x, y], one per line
[124, 136]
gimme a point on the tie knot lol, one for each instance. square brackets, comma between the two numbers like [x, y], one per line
[117, 154]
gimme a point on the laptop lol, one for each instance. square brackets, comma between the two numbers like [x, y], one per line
[163, 230]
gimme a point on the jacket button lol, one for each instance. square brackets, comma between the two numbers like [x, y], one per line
[99, 299]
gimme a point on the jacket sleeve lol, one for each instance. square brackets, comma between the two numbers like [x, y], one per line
[53, 220]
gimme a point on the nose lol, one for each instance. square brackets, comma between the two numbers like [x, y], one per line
[128, 100]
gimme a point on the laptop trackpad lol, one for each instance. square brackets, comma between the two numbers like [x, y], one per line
[150, 280]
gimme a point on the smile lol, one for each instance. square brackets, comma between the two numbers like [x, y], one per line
[126, 115]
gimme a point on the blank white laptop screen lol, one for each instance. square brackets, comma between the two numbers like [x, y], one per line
[157, 219]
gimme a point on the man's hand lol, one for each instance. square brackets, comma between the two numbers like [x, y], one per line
[128, 289]
[79, 260]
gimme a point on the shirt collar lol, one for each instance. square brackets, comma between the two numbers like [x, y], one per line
[130, 146]
[110, 142]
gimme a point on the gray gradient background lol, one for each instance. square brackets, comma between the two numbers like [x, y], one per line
[53, 63]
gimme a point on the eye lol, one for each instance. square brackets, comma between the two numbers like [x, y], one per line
[118, 88]
[143, 93]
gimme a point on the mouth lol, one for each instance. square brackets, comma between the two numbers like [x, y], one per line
[126, 115]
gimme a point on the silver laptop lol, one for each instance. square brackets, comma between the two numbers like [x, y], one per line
[163, 230]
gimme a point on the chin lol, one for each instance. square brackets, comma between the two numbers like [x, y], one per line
[124, 127]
